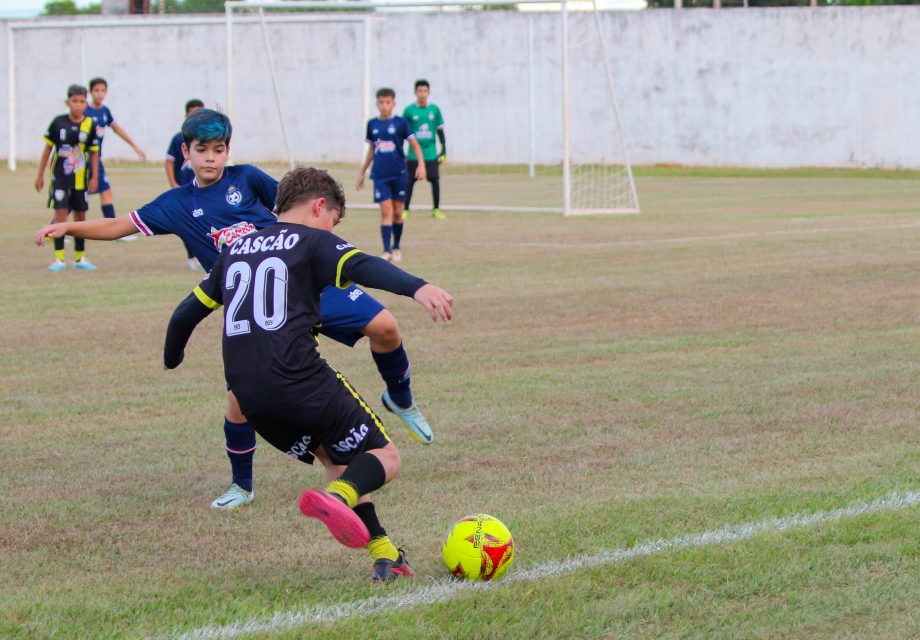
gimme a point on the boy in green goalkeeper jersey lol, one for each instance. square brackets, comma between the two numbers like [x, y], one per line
[426, 120]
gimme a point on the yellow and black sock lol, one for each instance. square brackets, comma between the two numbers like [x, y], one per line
[380, 545]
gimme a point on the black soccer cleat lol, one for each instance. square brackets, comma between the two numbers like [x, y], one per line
[386, 570]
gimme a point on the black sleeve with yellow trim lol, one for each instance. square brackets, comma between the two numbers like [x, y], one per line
[195, 308]
[376, 273]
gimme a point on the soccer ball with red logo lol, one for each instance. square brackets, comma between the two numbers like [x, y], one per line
[478, 547]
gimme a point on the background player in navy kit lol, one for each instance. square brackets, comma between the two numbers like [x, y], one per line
[270, 283]
[220, 205]
[386, 136]
[69, 139]
[178, 171]
[98, 88]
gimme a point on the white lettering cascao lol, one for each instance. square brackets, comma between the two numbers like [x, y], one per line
[266, 243]
[353, 441]
[300, 447]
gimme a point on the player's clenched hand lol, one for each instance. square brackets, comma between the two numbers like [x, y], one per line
[57, 230]
[438, 302]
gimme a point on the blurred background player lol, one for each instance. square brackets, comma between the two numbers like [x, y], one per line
[293, 398]
[178, 171]
[69, 139]
[221, 204]
[386, 136]
[98, 88]
[426, 119]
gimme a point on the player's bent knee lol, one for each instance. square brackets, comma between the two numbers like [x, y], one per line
[383, 331]
[389, 458]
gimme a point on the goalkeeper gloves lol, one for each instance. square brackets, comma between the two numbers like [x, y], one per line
[442, 158]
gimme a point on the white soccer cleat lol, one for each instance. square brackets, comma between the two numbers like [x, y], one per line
[130, 238]
[236, 497]
[194, 265]
[387, 256]
[397, 255]
[412, 418]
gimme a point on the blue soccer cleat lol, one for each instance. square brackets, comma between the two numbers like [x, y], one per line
[57, 265]
[412, 417]
[85, 264]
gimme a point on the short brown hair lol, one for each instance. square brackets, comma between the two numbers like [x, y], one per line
[306, 183]
[386, 92]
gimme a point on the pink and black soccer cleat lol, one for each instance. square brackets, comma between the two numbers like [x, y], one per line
[342, 522]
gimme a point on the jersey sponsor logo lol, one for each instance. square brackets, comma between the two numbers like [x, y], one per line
[300, 447]
[234, 197]
[197, 213]
[262, 244]
[384, 146]
[353, 441]
[354, 294]
[229, 235]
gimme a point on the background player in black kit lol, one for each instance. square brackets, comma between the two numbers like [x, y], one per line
[270, 282]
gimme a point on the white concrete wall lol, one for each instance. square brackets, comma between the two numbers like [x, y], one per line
[764, 87]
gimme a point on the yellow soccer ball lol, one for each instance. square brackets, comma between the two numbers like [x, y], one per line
[478, 547]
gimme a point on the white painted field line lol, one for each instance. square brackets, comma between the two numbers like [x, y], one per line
[741, 235]
[441, 590]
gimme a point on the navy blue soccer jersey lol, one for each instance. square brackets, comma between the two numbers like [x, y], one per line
[103, 118]
[182, 171]
[388, 138]
[209, 218]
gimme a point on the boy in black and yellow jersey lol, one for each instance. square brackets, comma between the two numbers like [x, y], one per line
[72, 145]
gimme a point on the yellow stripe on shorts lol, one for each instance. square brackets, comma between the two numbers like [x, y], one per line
[364, 406]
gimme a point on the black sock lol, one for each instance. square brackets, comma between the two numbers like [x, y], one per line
[365, 473]
[436, 192]
[368, 516]
[108, 211]
[397, 233]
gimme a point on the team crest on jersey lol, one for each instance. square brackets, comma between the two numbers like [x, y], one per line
[229, 235]
[82, 136]
[431, 115]
[391, 129]
[234, 197]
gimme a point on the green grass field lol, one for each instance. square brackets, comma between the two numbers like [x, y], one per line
[745, 349]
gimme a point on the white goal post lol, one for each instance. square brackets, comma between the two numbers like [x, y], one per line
[518, 140]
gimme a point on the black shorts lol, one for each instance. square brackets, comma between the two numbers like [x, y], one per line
[345, 426]
[70, 199]
[432, 168]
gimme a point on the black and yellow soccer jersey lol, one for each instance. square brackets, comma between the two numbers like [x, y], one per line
[269, 283]
[72, 143]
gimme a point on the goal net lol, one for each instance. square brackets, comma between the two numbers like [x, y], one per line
[527, 94]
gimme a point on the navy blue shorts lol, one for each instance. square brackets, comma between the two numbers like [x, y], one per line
[346, 312]
[391, 188]
[103, 181]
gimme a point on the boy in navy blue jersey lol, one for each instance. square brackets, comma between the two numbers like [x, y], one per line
[270, 282]
[102, 115]
[386, 136]
[178, 171]
[72, 146]
[220, 205]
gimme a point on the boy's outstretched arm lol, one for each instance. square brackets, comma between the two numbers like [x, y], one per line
[377, 273]
[101, 229]
[184, 319]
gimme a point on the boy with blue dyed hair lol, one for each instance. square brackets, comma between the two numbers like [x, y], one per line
[222, 204]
